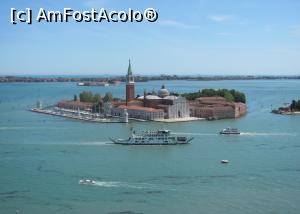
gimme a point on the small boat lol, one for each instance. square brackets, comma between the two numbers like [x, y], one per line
[224, 161]
[87, 182]
[230, 131]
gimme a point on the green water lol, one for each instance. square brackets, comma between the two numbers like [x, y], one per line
[42, 157]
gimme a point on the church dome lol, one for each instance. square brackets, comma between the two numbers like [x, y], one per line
[163, 92]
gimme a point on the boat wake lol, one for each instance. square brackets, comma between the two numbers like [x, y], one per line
[12, 127]
[117, 184]
[242, 133]
[268, 134]
[103, 143]
[195, 134]
[96, 143]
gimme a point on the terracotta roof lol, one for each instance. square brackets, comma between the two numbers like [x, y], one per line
[140, 108]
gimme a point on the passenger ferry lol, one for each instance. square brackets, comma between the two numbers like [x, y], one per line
[230, 131]
[159, 137]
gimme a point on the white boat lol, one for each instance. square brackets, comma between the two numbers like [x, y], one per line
[224, 161]
[159, 137]
[230, 131]
[87, 182]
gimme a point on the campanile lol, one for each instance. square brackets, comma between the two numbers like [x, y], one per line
[129, 84]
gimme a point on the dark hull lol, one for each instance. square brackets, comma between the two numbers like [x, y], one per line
[125, 142]
[230, 133]
[153, 144]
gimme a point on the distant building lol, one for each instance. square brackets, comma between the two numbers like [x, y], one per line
[129, 84]
[216, 108]
[158, 105]
[173, 106]
[161, 104]
[138, 112]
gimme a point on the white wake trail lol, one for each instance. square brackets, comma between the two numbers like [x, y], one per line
[117, 184]
[195, 134]
[268, 134]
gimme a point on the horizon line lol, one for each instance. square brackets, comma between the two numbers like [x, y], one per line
[57, 75]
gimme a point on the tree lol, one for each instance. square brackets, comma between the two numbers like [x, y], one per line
[296, 105]
[174, 94]
[75, 97]
[108, 97]
[228, 96]
[97, 98]
[208, 93]
[293, 105]
[86, 96]
[221, 92]
[239, 97]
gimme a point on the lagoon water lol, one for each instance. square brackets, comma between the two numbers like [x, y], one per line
[42, 157]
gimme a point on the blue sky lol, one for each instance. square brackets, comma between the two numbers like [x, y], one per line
[206, 37]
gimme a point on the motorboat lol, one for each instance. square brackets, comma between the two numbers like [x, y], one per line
[224, 161]
[87, 182]
[230, 131]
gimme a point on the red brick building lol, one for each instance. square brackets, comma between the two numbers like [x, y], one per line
[216, 108]
[129, 85]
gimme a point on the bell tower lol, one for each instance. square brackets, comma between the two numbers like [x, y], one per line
[129, 84]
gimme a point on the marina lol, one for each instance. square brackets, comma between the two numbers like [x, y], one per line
[79, 115]
[94, 117]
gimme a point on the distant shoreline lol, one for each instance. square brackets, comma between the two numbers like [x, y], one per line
[5, 79]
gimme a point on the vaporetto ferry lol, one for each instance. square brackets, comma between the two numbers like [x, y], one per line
[159, 137]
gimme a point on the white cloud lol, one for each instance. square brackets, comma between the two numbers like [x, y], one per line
[172, 23]
[220, 18]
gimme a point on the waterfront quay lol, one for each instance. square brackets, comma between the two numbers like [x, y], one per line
[78, 115]
[100, 118]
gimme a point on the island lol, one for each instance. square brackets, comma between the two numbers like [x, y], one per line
[158, 105]
[292, 109]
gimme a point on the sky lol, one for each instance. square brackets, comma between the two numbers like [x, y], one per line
[196, 37]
